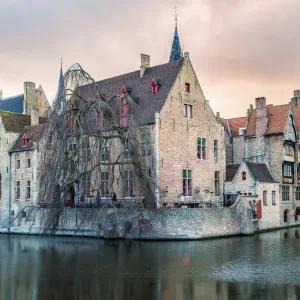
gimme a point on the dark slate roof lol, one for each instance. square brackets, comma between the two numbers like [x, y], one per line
[15, 122]
[13, 104]
[231, 170]
[140, 89]
[260, 172]
[33, 133]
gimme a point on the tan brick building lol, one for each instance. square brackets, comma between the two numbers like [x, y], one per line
[185, 148]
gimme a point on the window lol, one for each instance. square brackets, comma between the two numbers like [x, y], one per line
[216, 149]
[128, 180]
[104, 183]
[187, 87]
[289, 150]
[188, 111]
[201, 148]
[285, 193]
[154, 87]
[18, 190]
[297, 192]
[104, 150]
[28, 163]
[146, 144]
[273, 198]
[242, 130]
[0, 186]
[28, 190]
[217, 183]
[244, 175]
[72, 147]
[287, 170]
[85, 184]
[148, 172]
[86, 152]
[187, 182]
[18, 164]
[298, 171]
[126, 149]
[265, 201]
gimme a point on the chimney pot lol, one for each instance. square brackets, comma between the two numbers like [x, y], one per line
[145, 63]
[260, 102]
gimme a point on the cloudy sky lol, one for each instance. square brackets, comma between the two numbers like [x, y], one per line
[240, 49]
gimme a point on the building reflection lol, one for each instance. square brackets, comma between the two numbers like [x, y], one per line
[70, 268]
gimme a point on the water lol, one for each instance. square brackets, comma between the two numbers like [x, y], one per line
[265, 266]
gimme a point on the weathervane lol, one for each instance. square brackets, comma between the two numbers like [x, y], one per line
[175, 15]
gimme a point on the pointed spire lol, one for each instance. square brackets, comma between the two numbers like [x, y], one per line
[176, 49]
[60, 92]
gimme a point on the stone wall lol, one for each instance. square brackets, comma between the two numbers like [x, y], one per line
[164, 223]
[178, 136]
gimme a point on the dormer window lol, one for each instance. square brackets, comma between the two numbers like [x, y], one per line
[187, 87]
[154, 86]
[124, 91]
[26, 140]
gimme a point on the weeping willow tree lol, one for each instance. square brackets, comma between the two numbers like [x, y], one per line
[94, 153]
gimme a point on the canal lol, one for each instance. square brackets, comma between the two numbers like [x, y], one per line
[265, 266]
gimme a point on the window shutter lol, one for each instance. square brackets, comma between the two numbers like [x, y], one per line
[258, 209]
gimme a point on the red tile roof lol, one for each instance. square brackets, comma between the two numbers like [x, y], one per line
[234, 125]
[278, 116]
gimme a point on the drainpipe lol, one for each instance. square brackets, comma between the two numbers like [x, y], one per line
[156, 159]
[9, 183]
[9, 192]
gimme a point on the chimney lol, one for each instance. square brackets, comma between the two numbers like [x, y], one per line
[296, 99]
[261, 116]
[34, 117]
[218, 115]
[29, 97]
[145, 63]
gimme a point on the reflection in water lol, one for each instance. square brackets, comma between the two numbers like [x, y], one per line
[264, 266]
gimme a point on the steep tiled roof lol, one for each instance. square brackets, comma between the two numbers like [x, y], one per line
[15, 122]
[33, 133]
[231, 169]
[260, 172]
[140, 89]
[13, 104]
[234, 125]
[278, 116]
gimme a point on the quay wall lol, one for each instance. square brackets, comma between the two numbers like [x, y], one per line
[163, 223]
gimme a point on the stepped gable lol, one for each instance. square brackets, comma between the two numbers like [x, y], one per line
[278, 116]
[15, 122]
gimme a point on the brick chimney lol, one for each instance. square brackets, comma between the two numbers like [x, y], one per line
[296, 99]
[34, 117]
[29, 97]
[261, 116]
[145, 63]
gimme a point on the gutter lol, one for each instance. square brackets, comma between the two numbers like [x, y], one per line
[10, 152]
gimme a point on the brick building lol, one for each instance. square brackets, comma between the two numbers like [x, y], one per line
[16, 114]
[184, 150]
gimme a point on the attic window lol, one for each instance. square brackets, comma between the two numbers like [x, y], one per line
[187, 87]
[244, 175]
[26, 140]
[154, 87]
[124, 90]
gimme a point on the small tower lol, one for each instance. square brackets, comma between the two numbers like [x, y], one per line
[176, 49]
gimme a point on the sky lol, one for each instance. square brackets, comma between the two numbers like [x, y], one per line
[240, 49]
